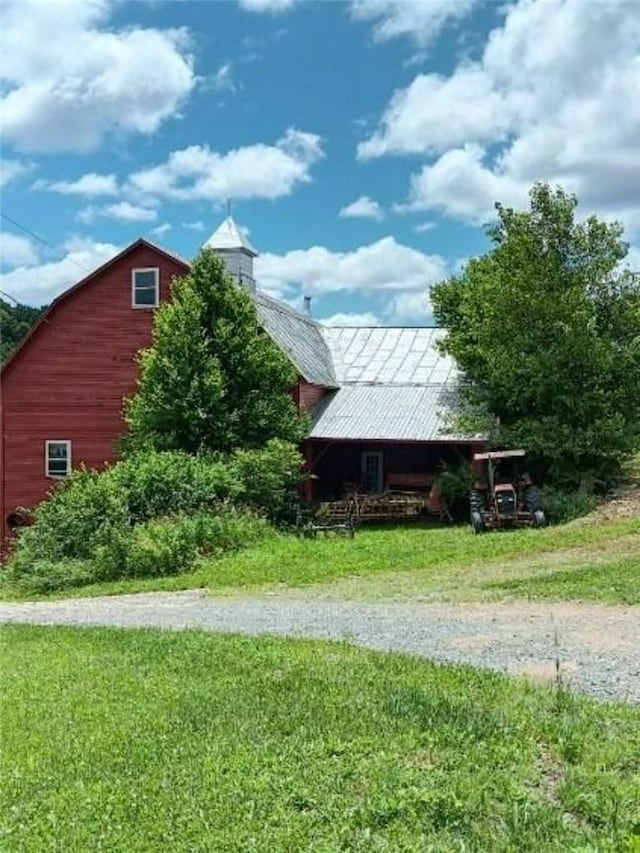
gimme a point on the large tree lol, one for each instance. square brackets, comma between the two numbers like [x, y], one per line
[211, 380]
[546, 329]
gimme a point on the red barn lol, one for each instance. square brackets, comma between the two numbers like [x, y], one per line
[377, 396]
[62, 388]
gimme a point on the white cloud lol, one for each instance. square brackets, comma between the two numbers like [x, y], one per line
[255, 171]
[555, 96]
[363, 207]
[271, 6]
[194, 226]
[124, 211]
[38, 285]
[69, 77]
[423, 227]
[160, 230]
[16, 250]
[413, 307]
[121, 211]
[347, 319]
[222, 80]
[460, 185]
[10, 170]
[434, 113]
[420, 20]
[381, 266]
[89, 185]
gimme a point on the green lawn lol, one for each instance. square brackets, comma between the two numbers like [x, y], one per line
[579, 561]
[616, 581]
[424, 563]
[148, 741]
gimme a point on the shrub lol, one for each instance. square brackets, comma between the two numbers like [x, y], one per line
[117, 518]
[158, 547]
[455, 482]
[82, 512]
[167, 483]
[154, 548]
[268, 479]
[42, 576]
[561, 506]
[170, 546]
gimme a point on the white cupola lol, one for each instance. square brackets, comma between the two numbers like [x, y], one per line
[236, 251]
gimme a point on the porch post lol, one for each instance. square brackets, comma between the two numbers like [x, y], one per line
[308, 483]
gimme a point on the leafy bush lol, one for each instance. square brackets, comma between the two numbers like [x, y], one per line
[82, 512]
[455, 483]
[171, 482]
[170, 546]
[153, 548]
[154, 512]
[561, 506]
[42, 576]
[268, 479]
[158, 547]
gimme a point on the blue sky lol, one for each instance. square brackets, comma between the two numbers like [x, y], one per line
[363, 143]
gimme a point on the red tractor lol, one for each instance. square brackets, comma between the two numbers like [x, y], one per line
[504, 498]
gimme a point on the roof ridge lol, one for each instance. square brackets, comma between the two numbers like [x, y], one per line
[380, 327]
[169, 252]
[289, 309]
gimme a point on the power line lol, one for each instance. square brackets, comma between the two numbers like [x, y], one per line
[42, 240]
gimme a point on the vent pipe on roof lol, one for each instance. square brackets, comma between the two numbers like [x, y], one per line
[307, 305]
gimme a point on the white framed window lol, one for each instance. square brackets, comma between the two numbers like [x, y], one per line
[145, 287]
[57, 457]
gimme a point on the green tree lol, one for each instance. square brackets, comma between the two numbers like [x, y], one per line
[15, 322]
[211, 380]
[546, 329]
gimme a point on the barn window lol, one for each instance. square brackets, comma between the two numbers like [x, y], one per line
[145, 287]
[57, 458]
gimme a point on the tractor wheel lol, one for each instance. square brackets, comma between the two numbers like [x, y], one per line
[477, 524]
[532, 499]
[539, 519]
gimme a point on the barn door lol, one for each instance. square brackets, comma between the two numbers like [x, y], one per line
[372, 471]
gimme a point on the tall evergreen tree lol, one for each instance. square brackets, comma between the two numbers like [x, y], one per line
[212, 380]
[546, 329]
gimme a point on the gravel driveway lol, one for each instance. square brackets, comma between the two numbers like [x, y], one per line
[598, 646]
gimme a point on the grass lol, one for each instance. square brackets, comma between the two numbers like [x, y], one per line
[603, 570]
[148, 741]
[428, 563]
[615, 582]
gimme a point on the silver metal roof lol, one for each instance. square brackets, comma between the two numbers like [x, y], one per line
[300, 337]
[229, 236]
[396, 355]
[386, 412]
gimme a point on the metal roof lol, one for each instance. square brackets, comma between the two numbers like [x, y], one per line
[386, 412]
[228, 236]
[396, 355]
[300, 337]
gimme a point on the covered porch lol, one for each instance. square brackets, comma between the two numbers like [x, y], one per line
[386, 479]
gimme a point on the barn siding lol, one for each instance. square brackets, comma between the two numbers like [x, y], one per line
[309, 395]
[69, 380]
